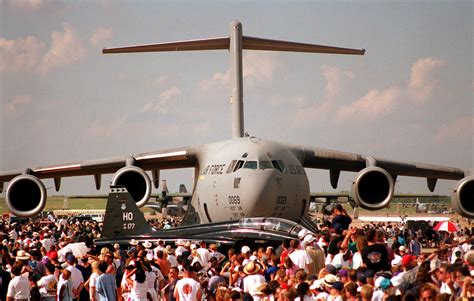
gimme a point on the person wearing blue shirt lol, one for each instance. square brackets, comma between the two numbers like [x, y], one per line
[106, 286]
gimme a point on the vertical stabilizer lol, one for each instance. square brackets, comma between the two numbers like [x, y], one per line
[236, 80]
[235, 43]
[122, 216]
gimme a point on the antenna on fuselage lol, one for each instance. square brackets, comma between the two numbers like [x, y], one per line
[235, 43]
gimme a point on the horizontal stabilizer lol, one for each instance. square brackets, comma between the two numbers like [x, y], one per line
[276, 45]
[251, 43]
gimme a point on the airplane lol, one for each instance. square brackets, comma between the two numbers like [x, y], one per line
[124, 221]
[245, 176]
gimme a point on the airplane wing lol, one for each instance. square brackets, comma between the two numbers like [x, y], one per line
[129, 171]
[373, 187]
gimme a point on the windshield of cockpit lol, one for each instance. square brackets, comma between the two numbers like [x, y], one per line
[254, 165]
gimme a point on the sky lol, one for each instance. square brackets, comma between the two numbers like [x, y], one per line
[409, 98]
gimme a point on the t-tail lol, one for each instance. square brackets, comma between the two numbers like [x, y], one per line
[235, 43]
[122, 216]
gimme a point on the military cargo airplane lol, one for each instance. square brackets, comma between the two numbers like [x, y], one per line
[245, 176]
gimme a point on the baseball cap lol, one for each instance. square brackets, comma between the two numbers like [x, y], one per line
[245, 249]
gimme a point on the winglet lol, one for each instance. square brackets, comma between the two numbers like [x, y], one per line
[122, 216]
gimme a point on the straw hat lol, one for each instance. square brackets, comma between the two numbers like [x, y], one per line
[133, 242]
[329, 280]
[22, 255]
[147, 244]
[252, 268]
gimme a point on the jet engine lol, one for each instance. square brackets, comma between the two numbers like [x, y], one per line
[136, 181]
[462, 198]
[373, 188]
[25, 196]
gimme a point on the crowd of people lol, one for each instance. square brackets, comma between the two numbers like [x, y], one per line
[338, 262]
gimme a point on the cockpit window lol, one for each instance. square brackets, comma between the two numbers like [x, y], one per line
[265, 165]
[231, 167]
[238, 165]
[278, 164]
[250, 165]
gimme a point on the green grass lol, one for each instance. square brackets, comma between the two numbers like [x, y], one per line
[56, 203]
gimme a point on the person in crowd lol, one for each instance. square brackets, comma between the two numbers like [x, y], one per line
[374, 255]
[65, 286]
[188, 288]
[48, 284]
[106, 287]
[19, 287]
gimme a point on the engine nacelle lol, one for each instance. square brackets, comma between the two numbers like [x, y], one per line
[136, 181]
[462, 198]
[25, 196]
[373, 188]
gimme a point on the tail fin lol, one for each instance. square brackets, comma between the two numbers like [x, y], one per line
[122, 216]
[182, 188]
[235, 43]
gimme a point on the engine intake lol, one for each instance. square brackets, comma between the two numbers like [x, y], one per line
[373, 188]
[26, 196]
[462, 198]
[136, 181]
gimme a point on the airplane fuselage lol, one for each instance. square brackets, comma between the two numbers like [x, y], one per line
[248, 177]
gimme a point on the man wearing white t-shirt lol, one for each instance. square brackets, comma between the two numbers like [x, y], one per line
[19, 287]
[204, 254]
[48, 284]
[76, 276]
[300, 257]
[188, 289]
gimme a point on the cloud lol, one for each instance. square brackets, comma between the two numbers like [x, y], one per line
[421, 82]
[306, 116]
[450, 132]
[379, 103]
[161, 80]
[20, 55]
[16, 107]
[164, 101]
[28, 4]
[218, 80]
[334, 77]
[372, 105]
[66, 48]
[100, 36]
[110, 128]
[258, 67]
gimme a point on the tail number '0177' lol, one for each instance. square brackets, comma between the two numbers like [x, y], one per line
[234, 199]
[128, 216]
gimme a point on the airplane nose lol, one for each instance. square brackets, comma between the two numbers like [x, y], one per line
[260, 193]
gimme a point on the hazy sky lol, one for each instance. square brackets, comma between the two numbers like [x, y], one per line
[409, 98]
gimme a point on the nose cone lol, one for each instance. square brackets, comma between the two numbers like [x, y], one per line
[260, 192]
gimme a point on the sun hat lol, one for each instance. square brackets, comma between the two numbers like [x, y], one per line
[147, 244]
[329, 280]
[22, 255]
[252, 268]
